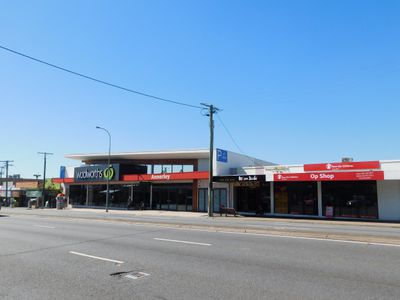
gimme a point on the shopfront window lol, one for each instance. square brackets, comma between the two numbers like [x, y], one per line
[253, 199]
[77, 194]
[172, 196]
[297, 198]
[203, 200]
[350, 199]
[220, 198]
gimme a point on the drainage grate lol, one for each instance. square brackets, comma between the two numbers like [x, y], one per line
[129, 274]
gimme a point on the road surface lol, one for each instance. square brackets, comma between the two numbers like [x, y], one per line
[58, 258]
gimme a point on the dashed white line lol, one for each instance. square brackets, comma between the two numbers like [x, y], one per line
[43, 226]
[182, 242]
[97, 257]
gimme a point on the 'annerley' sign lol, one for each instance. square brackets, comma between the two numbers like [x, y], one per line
[330, 176]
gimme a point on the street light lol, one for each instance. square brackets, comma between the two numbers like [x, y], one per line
[108, 164]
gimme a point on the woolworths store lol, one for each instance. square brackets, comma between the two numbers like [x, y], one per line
[178, 180]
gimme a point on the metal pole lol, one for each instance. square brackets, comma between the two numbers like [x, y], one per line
[108, 163]
[7, 183]
[7, 164]
[44, 177]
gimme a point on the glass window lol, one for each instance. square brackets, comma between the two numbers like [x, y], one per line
[167, 169]
[350, 199]
[254, 199]
[77, 194]
[177, 168]
[297, 198]
[220, 197]
[157, 169]
[173, 196]
[203, 199]
[149, 169]
[187, 168]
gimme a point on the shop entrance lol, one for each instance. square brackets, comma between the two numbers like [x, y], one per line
[253, 199]
[139, 197]
[172, 196]
[297, 198]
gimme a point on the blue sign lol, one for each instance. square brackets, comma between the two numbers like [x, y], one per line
[222, 155]
[62, 172]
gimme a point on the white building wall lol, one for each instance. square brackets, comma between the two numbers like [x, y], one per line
[389, 200]
[238, 161]
[391, 169]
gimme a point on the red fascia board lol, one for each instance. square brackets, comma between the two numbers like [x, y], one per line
[166, 176]
[339, 166]
[330, 176]
[62, 180]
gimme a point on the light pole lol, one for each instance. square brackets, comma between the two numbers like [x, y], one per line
[108, 164]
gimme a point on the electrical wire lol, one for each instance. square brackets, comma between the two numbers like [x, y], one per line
[253, 160]
[99, 80]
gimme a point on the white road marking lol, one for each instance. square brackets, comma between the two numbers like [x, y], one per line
[278, 236]
[140, 275]
[311, 238]
[183, 242]
[43, 226]
[97, 257]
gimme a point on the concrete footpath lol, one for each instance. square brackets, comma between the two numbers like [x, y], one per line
[369, 232]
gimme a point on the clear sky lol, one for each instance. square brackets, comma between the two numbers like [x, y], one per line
[298, 81]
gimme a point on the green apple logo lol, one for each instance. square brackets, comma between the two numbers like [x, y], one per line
[108, 173]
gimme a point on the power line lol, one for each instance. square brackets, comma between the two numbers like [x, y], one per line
[99, 80]
[230, 135]
[253, 160]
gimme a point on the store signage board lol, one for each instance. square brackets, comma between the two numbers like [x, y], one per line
[240, 178]
[96, 173]
[222, 155]
[330, 176]
[358, 165]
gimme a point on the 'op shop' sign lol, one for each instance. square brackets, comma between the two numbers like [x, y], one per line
[96, 173]
[330, 176]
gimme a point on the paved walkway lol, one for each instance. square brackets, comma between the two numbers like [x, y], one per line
[182, 215]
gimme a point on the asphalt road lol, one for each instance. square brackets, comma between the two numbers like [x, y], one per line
[390, 231]
[52, 258]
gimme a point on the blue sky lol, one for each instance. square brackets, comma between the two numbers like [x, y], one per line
[298, 81]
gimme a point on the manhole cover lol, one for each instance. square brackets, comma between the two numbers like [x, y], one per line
[130, 274]
[136, 275]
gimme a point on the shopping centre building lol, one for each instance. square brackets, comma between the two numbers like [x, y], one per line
[178, 180]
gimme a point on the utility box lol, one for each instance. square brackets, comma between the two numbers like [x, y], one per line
[60, 201]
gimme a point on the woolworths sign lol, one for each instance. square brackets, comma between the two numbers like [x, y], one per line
[97, 173]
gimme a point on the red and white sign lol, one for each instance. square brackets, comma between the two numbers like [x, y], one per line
[330, 176]
[166, 176]
[358, 165]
